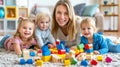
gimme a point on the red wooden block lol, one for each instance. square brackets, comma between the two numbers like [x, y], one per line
[93, 62]
[88, 46]
[40, 51]
[61, 51]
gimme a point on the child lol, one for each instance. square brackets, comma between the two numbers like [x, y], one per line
[43, 32]
[23, 38]
[89, 36]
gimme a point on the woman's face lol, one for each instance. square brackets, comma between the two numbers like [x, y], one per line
[62, 16]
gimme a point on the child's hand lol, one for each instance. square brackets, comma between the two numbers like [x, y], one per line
[96, 52]
[73, 47]
[50, 45]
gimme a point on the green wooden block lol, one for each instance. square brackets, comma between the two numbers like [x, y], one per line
[80, 46]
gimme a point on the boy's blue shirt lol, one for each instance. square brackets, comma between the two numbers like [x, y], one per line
[99, 43]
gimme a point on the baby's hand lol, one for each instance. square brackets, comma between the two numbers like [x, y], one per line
[96, 52]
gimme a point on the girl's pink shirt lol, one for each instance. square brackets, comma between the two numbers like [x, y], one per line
[9, 43]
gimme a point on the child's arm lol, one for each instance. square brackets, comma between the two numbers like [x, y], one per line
[103, 46]
[17, 49]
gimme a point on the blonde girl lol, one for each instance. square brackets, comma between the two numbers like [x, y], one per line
[23, 38]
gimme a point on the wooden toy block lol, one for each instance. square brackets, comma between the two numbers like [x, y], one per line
[67, 50]
[99, 58]
[72, 52]
[77, 51]
[80, 46]
[81, 56]
[46, 58]
[68, 56]
[108, 59]
[32, 53]
[93, 62]
[88, 56]
[84, 63]
[63, 56]
[40, 51]
[81, 50]
[88, 46]
[73, 61]
[89, 50]
[57, 42]
[62, 51]
[55, 58]
[22, 61]
[67, 62]
[30, 61]
[26, 53]
[39, 63]
[45, 51]
[60, 46]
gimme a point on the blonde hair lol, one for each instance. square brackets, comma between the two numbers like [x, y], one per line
[42, 15]
[88, 22]
[71, 25]
[20, 22]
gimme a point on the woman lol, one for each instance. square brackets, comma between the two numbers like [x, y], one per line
[64, 24]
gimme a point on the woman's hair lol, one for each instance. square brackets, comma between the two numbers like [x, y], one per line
[41, 15]
[71, 25]
[88, 22]
[21, 21]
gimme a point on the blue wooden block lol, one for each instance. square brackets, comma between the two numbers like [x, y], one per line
[60, 46]
[22, 61]
[62, 42]
[46, 53]
[84, 63]
[45, 48]
[30, 61]
[32, 53]
[89, 50]
[67, 49]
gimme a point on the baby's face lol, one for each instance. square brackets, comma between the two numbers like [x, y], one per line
[44, 23]
[87, 30]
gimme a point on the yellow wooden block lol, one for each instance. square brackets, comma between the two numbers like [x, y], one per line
[46, 58]
[67, 62]
[39, 63]
[81, 50]
[99, 58]
[77, 51]
[63, 56]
